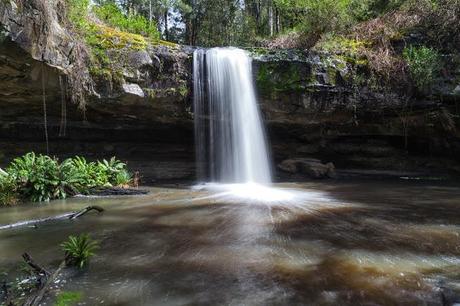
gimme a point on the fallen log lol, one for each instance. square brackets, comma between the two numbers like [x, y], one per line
[37, 269]
[85, 211]
[36, 298]
[66, 216]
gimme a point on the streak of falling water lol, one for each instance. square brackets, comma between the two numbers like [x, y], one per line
[230, 139]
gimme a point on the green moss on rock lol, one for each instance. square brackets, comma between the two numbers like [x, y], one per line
[156, 93]
[281, 77]
[165, 43]
[110, 38]
[183, 91]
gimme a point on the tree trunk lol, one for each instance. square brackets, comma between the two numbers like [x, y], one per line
[258, 6]
[277, 21]
[150, 13]
[166, 25]
[270, 20]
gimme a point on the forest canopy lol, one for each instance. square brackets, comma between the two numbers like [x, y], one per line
[254, 22]
[397, 40]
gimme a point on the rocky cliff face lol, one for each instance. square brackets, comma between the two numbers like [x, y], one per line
[327, 106]
[143, 117]
[314, 105]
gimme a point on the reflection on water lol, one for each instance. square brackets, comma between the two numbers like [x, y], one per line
[339, 244]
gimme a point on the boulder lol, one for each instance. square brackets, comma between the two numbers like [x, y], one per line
[289, 166]
[310, 167]
[140, 59]
[318, 170]
[133, 89]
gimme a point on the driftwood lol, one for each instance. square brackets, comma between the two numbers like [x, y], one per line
[85, 211]
[37, 269]
[66, 216]
[45, 280]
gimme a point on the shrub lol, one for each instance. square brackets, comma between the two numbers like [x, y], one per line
[439, 20]
[79, 249]
[123, 178]
[83, 175]
[362, 10]
[323, 16]
[37, 177]
[121, 30]
[8, 193]
[423, 64]
[313, 18]
[341, 44]
[42, 178]
[112, 15]
[115, 171]
[77, 12]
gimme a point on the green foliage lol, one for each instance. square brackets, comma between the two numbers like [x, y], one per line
[278, 77]
[102, 38]
[423, 63]
[440, 23]
[119, 31]
[248, 22]
[362, 10]
[340, 44]
[42, 178]
[315, 16]
[79, 249]
[8, 193]
[38, 178]
[68, 298]
[123, 178]
[115, 171]
[78, 12]
[83, 175]
[111, 14]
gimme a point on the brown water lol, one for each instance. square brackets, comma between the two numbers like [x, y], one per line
[360, 243]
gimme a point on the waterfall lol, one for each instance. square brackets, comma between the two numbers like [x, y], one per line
[229, 134]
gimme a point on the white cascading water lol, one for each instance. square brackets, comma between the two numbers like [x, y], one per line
[230, 138]
[229, 135]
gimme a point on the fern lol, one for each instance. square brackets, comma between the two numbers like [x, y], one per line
[79, 249]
